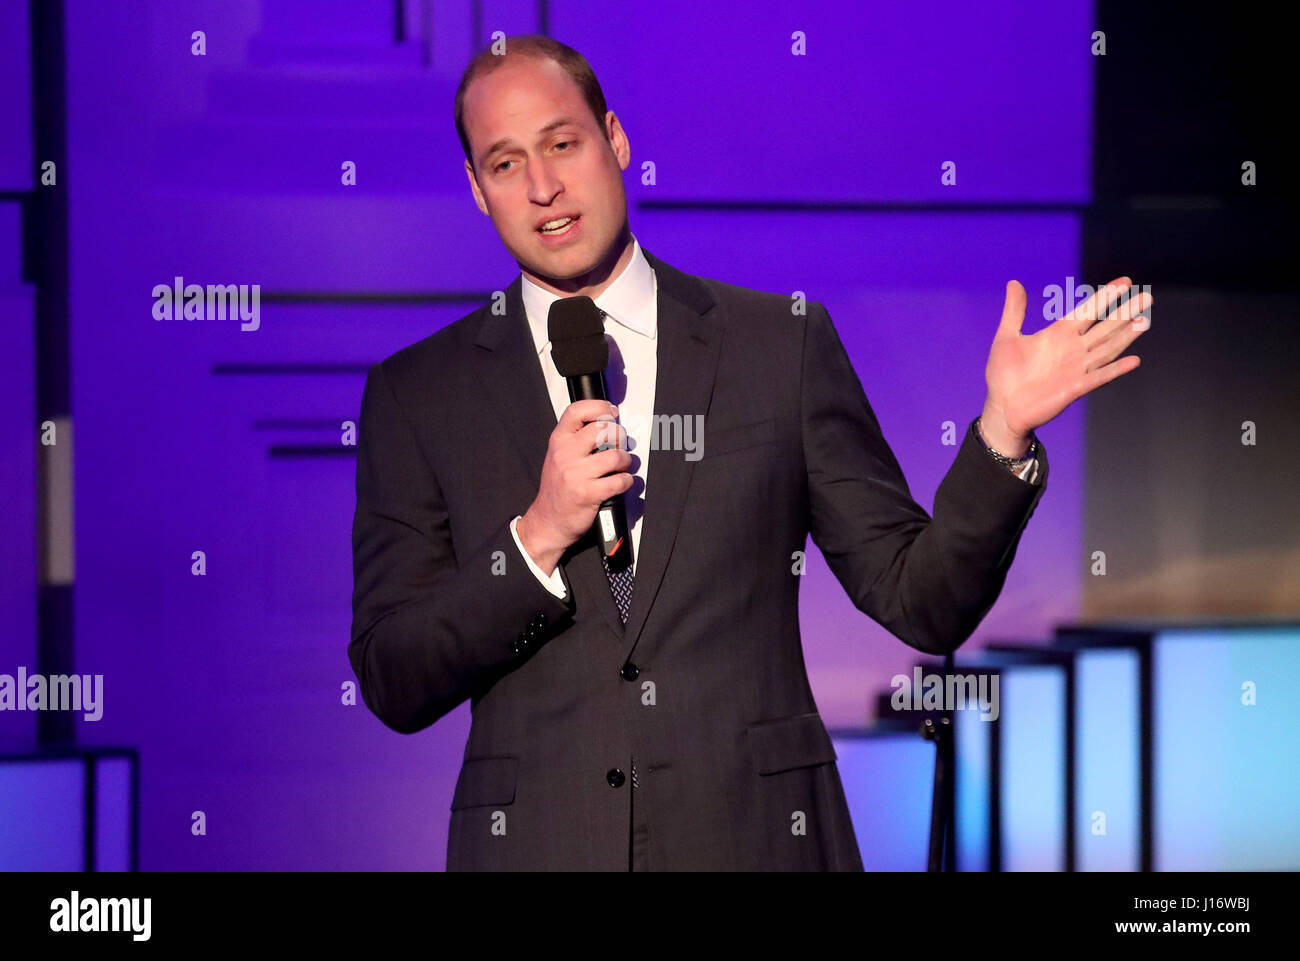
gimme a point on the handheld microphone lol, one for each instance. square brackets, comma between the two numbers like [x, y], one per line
[576, 329]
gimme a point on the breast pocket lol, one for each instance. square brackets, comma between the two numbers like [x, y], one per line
[484, 781]
[715, 443]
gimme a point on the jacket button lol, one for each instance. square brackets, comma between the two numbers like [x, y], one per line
[629, 672]
[615, 777]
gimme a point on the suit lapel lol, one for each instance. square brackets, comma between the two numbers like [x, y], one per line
[690, 341]
[686, 363]
[513, 382]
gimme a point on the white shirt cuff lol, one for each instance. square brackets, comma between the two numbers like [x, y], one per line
[554, 583]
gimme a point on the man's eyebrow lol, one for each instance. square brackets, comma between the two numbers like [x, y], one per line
[505, 141]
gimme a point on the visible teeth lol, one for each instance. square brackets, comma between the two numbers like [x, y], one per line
[554, 224]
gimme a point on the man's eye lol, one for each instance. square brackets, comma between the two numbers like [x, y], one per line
[564, 142]
[502, 164]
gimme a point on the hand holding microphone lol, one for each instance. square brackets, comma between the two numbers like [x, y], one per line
[585, 473]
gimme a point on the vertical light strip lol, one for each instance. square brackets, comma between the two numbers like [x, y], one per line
[58, 542]
[973, 795]
[1033, 769]
[1107, 827]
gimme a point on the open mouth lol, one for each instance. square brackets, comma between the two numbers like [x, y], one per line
[559, 226]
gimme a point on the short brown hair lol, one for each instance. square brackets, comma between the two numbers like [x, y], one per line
[543, 48]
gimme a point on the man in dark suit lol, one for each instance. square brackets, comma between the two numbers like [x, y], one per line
[658, 718]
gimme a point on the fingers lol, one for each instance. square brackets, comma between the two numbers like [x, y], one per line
[586, 425]
[1109, 350]
[1104, 375]
[603, 462]
[1013, 309]
[581, 464]
[576, 477]
[581, 412]
[601, 475]
[1100, 302]
[603, 488]
[1100, 336]
[600, 434]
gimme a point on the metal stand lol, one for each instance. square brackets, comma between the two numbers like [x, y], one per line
[942, 814]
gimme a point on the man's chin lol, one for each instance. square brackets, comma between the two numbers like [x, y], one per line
[554, 266]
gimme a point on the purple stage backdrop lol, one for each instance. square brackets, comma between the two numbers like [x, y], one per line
[200, 436]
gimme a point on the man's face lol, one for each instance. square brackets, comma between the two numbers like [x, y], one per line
[539, 156]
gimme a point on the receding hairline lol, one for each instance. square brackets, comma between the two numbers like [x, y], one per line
[538, 48]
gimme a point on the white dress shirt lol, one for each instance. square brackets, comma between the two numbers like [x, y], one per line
[631, 306]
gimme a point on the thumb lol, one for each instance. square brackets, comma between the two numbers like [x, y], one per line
[1013, 311]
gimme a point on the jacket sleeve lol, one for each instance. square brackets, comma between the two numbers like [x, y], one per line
[428, 628]
[929, 582]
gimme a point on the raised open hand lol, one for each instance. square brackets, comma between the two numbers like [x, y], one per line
[1031, 378]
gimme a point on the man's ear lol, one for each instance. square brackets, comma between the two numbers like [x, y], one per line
[473, 186]
[617, 137]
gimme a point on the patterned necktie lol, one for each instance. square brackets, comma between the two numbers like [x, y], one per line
[620, 584]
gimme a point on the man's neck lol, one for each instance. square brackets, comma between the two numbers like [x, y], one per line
[595, 281]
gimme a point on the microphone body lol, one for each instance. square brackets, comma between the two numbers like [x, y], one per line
[581, 353]
[611, 518]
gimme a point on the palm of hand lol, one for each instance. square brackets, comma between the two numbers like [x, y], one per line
[1032, 378]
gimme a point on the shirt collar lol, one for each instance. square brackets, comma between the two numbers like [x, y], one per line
[629, 300]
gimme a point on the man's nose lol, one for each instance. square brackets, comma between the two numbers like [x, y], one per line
[543, 185]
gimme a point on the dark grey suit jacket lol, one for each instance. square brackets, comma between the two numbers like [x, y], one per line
[705, 687]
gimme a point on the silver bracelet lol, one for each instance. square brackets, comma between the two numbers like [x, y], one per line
[1014, 464]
